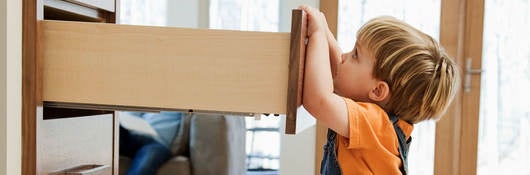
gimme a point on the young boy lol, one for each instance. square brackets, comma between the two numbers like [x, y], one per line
[394, 77]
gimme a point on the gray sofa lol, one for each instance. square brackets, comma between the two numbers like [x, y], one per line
[213, 145]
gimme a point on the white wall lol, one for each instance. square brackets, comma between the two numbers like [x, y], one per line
[297, 152]
[185, 13]
[285, 11]
[3, 87]
[10, 86]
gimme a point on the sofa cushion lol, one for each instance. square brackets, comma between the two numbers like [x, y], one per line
[180, 145]
[178, 165]
[217, 144]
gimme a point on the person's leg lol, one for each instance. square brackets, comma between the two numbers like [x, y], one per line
[148, 159]
[131, 142]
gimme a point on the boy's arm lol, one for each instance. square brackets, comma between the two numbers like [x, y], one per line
[335, 52]
[318, 97]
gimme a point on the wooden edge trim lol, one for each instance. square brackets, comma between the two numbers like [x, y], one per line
[473, 39]
[29, 87]
[296, 68]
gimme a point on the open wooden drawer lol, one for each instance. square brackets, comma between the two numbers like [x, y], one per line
[88, 70]
[123, 67]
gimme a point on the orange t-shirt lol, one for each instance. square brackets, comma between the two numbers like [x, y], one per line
[372, 147]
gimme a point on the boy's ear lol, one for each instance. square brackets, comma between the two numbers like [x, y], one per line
[380, 92]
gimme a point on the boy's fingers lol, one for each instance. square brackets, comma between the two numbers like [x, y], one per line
[307, 9]
[304, 8]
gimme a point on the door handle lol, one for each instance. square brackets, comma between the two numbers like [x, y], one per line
[468, 72]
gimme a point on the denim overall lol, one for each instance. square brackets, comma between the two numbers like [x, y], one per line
[330, 164]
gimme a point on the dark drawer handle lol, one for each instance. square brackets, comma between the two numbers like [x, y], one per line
[86, 170]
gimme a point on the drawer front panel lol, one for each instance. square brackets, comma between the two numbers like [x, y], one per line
[163, 67]
[70, 142]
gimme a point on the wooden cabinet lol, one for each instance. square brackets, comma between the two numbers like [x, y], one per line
[67, 137]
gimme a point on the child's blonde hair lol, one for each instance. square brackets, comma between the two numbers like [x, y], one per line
[422, 78]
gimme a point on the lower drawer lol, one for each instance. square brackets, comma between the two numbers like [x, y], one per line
[70, 142]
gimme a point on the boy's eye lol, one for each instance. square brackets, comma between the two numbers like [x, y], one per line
[354, 54]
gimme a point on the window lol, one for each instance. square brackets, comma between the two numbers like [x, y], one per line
[251, 15]
[263, 144]
[504, 122]
[143, 12]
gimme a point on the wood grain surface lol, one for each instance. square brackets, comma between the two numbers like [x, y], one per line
[165, 67]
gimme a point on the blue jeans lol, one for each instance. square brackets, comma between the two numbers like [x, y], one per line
[330, 164]
[147, 154]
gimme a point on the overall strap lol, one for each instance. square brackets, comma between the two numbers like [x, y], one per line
[403, 143]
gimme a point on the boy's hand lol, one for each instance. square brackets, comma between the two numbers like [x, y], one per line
[316, 21]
